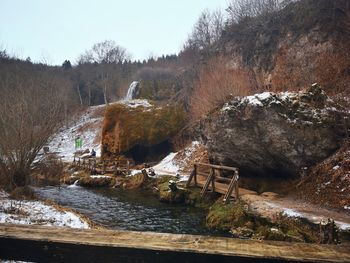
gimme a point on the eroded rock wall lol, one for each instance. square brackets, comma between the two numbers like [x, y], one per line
[275, 133]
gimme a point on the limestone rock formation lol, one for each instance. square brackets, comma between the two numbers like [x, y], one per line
[275, 132]
[138, 123]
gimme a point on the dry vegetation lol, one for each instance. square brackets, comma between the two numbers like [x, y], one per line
[217, 81]
[328, 182]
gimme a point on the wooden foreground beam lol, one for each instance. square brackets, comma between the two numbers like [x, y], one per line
[47, 244]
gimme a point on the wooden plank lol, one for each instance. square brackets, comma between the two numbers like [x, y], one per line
[48, 244]
[203, 174]
[220, 167]
[207, 182]
[222, 188]
[223, 179]
[236, 185]
[188, 183]
[195, 174]
[230, 189]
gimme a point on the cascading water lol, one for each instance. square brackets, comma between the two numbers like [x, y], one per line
[75, 184]
[132, 91]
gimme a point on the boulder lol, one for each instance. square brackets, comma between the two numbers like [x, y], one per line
[274, 133]
[138, 123]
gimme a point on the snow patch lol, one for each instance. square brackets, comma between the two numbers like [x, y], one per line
[336, 167]
[167, 165]
[87, 126]
[136, 103]
[291, 213]
[100, 176]
[36, 212]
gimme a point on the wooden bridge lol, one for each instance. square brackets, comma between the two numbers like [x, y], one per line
[48, 244]
[105, 166]
[210, 177]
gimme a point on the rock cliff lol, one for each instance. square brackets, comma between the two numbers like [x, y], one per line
[275, 132]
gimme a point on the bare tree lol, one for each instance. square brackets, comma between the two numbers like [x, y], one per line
[243, 9]
[105, 53]
[31, 108]
[206, 31]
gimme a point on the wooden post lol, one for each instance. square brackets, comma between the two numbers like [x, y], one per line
[213, 180]
[207, 182]
[232, 186]
[193, 175]
[103, 167]
[236, 185]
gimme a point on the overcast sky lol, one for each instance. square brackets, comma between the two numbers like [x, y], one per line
[56, 30]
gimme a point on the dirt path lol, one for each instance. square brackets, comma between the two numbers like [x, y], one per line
[270, 204]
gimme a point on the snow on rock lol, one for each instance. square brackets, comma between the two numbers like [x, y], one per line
[343, 226]
[36, 212]
[291, 213]
[257, 98]
[175, 162]
[136, 103]
[87, 126]
[100, 176]
[167, 166]
[336, 167]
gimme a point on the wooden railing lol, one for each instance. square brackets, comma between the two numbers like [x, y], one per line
[49, 244]
[102, 167]
[214, 173]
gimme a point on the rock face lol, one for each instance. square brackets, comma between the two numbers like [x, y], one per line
[139, 124]
[275, 132]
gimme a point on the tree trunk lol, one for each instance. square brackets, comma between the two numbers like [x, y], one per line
[79, 93]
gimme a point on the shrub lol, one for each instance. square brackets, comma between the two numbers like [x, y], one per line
[218, 80]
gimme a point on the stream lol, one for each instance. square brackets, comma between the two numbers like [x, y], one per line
[136, 210]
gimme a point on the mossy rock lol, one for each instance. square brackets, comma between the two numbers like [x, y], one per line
[227, 216]
[96, 181]
[135, 181]
[178, 196]
[125, 127]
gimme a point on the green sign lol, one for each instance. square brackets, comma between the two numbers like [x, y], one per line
[78, 143]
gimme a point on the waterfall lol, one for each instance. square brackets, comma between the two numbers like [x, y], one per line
[74, 185]
[132, 91]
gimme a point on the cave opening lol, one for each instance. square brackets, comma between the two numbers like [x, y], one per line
[149, 154]
[278, 181]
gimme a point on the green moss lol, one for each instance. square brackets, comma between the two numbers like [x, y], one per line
[226, 216]
[236, 218]
[125, 127]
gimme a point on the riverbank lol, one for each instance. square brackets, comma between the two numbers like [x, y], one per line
[35, 212]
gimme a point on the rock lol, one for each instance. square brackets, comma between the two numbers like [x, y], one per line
[170, 193]
[130, 127]
[172, 186]
[242, 232]
[275, 132]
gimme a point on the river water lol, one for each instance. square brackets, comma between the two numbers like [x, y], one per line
[129, 210]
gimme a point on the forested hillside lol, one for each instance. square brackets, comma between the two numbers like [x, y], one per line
[250, 47]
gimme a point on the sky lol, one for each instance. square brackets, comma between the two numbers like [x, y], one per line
[52, 31]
